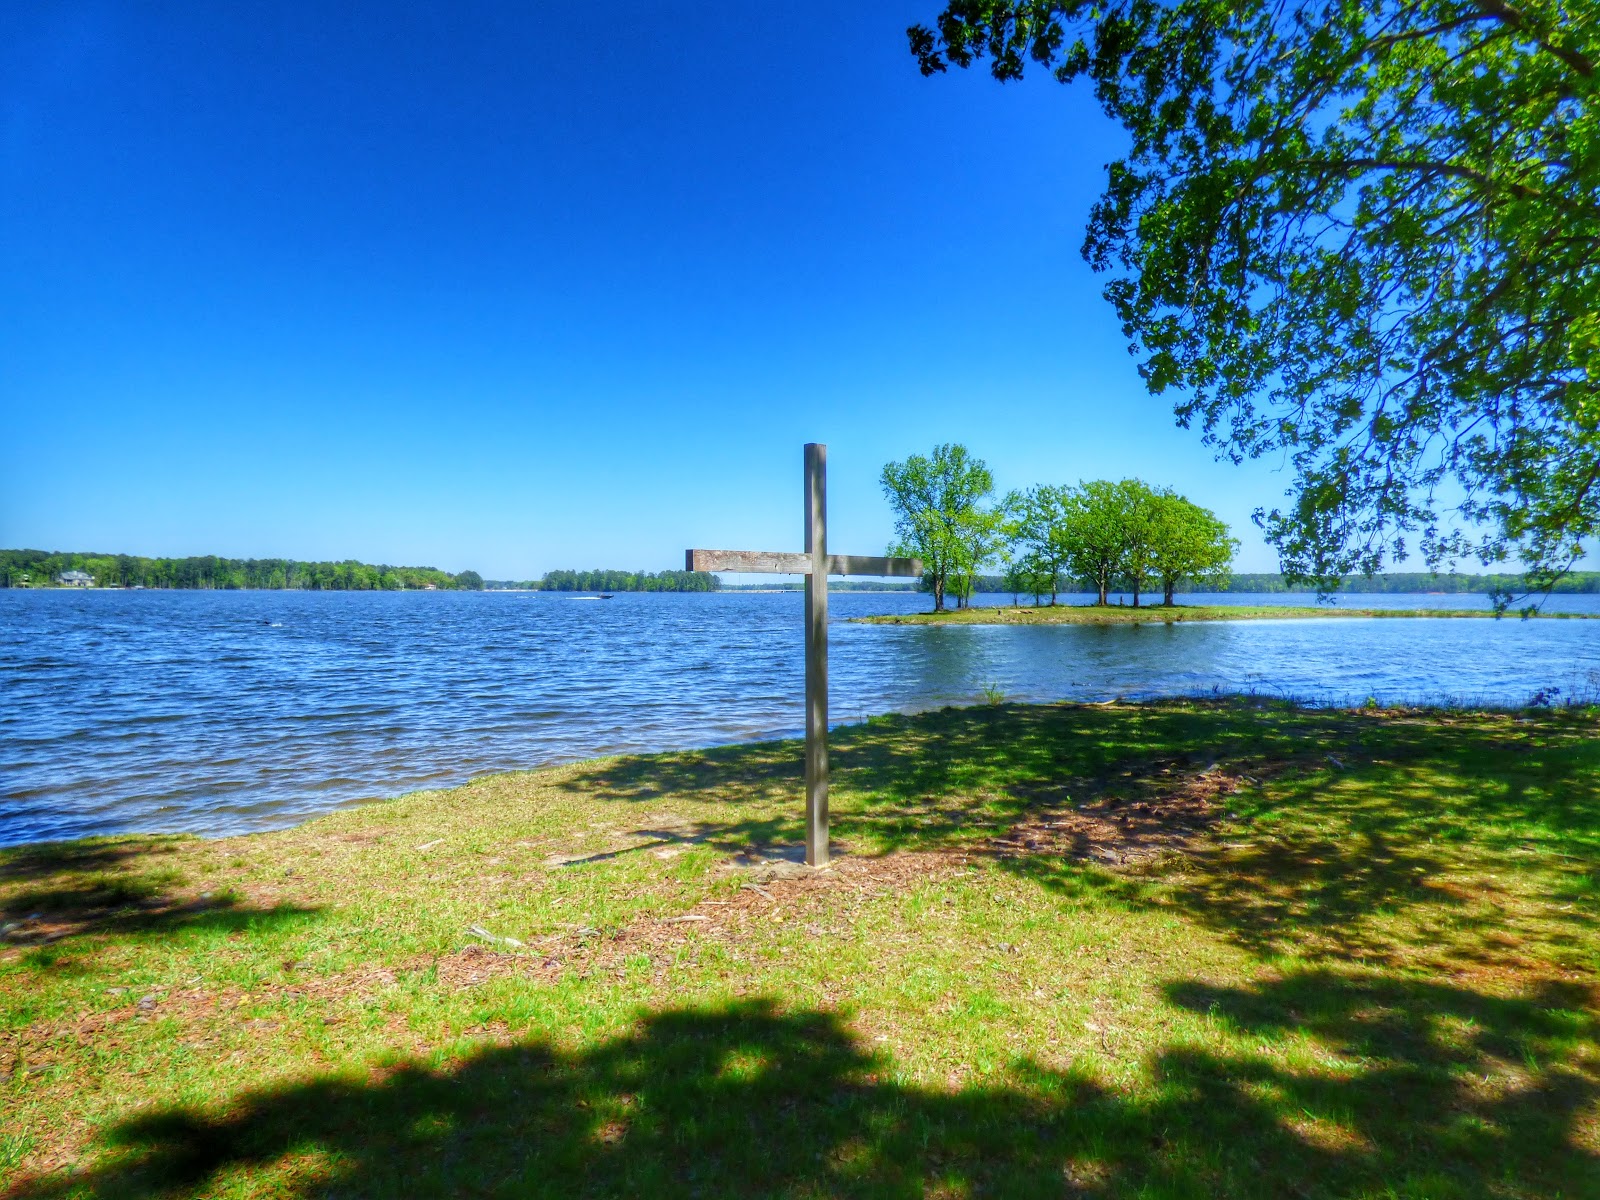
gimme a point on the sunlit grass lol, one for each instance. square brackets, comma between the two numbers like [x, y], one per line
[1177, 949]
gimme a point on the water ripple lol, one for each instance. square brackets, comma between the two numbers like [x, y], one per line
[222, 712]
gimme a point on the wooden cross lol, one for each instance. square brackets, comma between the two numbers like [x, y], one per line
[816, 564]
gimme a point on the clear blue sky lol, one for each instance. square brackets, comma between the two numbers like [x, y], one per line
[521, 286]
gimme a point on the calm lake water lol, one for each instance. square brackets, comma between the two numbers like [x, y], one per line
[219, 712]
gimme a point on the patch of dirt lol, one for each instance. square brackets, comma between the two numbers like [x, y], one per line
[807, 896]
[766, 863]
[1117, 831]
[473, 965]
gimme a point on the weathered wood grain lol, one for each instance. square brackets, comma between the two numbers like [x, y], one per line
[816, 511]
[863, 564]
[777, 562]
[765, 562]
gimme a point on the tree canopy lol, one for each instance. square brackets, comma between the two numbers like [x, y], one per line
[1099, 515]
[1188, 544]
[1041, 536]
[1360, 234]
[939, 516]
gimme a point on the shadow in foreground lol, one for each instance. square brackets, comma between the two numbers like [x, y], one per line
[1419, 1090]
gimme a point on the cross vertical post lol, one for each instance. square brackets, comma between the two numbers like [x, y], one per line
[816, 509]
[816, 564]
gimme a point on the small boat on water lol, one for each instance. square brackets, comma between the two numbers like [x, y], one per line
[608, 595]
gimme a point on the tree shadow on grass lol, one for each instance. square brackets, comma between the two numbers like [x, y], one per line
[1456, 850]
[1318, 861]
[53, 893]
[1002, 759]
[1320, 891]
[1421, 1091]
[934, 780]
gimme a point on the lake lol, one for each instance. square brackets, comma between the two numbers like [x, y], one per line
[221, 712]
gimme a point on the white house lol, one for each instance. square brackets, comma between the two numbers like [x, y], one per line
[75, 579]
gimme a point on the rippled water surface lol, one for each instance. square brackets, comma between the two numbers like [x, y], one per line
[217, 712]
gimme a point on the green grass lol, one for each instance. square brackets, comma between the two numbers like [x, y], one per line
[1126, 614]
[1181, 949]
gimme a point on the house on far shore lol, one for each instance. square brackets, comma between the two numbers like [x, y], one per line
[75, 579]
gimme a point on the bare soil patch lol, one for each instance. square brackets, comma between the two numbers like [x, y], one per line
[1113, 830]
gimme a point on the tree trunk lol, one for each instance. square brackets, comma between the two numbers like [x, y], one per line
[938, 593]
[1168, 587]
[1136, 585]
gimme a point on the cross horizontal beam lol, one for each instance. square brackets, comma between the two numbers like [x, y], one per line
[764, 562]
[862, 564]
[776, 562]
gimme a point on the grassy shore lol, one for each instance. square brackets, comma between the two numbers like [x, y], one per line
[1187, 949]
[1126, 614]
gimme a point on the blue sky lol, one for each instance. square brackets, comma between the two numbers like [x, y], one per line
[524, 286]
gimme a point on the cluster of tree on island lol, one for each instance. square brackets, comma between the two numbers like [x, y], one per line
[1103, 534]
[42, 568]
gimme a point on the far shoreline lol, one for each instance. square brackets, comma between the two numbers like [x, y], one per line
[1161, 614]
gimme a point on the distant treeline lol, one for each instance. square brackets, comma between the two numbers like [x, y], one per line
[1394, 581]
[42, 568]
[628, 581]
[1415, 581]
